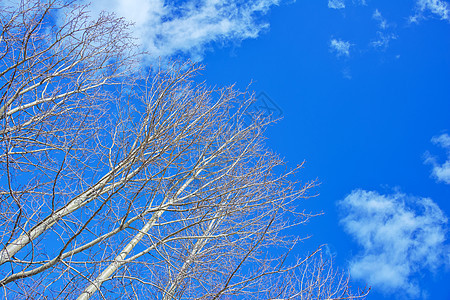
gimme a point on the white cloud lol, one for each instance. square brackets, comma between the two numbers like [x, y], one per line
[438, 7]
[342, 48]
[383, 40]
[384, 35]
[399, 236]
[164, 29]
[382, 23]
[440, 171]
[347, 73]
[340, 4]
[336, 4]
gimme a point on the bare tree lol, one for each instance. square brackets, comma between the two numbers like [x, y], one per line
[118, 182]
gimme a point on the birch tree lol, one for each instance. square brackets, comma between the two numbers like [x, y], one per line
[119, 181]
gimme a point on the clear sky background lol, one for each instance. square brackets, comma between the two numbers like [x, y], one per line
[364, 91]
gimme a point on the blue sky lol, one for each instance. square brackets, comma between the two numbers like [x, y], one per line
[363, 88]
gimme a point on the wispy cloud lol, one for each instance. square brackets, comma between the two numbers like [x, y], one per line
[340, 4]
[340, 47]
[383, 39]
[400, 235]
[382, 23]
[440, 171]
[336, 4]
[165, 29]
[437, 7]
[384, 34]
[347, 73]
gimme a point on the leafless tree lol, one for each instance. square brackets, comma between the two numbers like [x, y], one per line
[121, 182]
